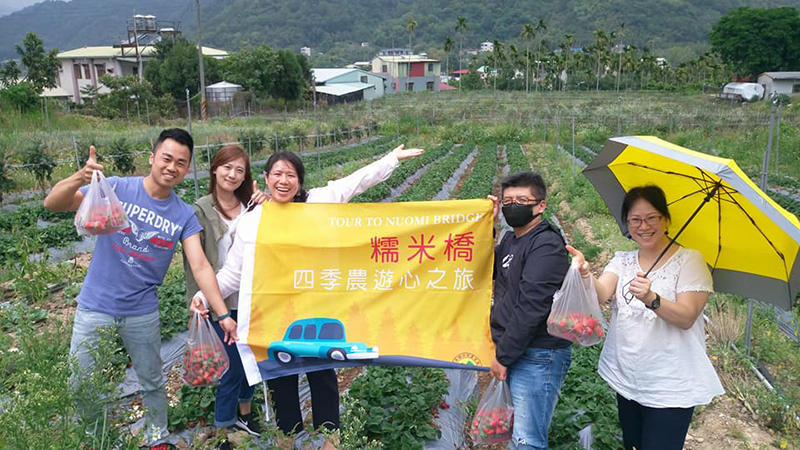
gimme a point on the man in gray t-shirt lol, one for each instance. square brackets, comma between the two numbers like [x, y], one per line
[128, 266]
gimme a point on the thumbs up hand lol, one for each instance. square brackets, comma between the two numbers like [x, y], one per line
[258, 196]
[91, 165]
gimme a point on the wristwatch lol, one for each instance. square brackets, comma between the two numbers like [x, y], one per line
[656, 303]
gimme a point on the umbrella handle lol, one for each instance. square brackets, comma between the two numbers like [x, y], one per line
[626, 293]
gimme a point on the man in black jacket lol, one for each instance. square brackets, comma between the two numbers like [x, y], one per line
[530, 265]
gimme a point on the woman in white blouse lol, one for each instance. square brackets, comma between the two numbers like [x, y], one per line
[654, 356]
[285, 175]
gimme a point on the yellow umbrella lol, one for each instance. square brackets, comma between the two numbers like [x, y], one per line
[750, 243]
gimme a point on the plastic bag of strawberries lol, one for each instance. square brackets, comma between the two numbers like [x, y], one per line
[101, 211]
[494, 419]
[576, 314]
[205, 360]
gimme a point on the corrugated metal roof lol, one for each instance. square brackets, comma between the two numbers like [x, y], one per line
[323, 75]
[339, 89]
[223, 85]
[56, 92]
[783, 75]
[107, 51]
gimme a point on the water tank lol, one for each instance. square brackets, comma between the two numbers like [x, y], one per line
[139, 22]
[150, 23]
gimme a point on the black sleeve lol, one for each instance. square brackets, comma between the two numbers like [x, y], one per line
[546, 265]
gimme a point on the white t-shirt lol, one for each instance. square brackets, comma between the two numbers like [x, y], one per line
[648, 360]
[225, 241]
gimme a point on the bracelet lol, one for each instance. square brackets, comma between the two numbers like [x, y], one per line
[224, 316]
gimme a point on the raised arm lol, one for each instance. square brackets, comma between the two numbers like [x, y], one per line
[65, 195]
[343, 189]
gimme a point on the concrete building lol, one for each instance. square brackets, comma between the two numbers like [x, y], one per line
[83, 67]
[487, 47]
[780, 83]
[305, 51]
[408, 72]
[334, 86]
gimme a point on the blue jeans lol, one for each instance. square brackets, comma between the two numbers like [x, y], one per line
[142, 338]
[233, 388]
[535, 380]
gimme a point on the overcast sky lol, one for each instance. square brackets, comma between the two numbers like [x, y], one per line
[9, 6]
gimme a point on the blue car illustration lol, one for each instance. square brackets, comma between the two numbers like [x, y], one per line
[318, 338]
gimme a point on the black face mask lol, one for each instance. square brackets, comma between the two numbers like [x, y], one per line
[519, 215]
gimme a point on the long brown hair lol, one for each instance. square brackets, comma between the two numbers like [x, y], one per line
[225, 155]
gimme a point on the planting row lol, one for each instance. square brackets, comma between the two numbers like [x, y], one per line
[402, 173]
[480, 182]
[436, 176]
[516, 160]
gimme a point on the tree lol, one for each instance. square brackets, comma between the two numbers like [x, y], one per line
[9, 73]
[449, 46]
[38, 162]
[566, 49]
[22, 96]
[498, 56]
[41, 66]
[410, 27]
[541, 25]
[528, 34]
[756, 40]
[175, 68]
[253, 68]
[461, 27]
[289, 80]
[125, 93]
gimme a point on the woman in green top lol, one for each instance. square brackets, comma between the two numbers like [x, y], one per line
[231, 190]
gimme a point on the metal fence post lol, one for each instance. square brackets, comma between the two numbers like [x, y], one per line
[77, 157]
[778, 136]
[573, 146]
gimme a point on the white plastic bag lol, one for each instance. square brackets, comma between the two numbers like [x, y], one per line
[494, 418]
[205, 360]
[101, 211]
[576, 314]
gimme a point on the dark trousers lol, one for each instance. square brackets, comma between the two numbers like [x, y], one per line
[324, 401]
[645, 428]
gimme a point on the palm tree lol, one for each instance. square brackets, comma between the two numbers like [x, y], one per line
[528, 34]
[513, 59]
[567, 47]
[410, 26]
[599, 50]
[541, 25]
[449, 45]
[498, 56]
[461, 27]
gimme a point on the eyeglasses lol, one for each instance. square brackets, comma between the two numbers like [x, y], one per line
[651, 220]
[521, 201]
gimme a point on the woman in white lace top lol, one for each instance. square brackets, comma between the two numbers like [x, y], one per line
[655, 354]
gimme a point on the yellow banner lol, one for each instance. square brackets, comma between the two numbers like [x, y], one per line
[388, 283]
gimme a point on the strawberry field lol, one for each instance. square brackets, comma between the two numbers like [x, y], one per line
[471, 142]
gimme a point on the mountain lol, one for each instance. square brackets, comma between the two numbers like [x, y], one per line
[338, 26]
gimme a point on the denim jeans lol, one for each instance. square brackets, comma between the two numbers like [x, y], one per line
[535, 380]
[142, 338]
[233, 388]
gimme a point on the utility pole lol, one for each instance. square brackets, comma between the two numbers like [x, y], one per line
[203, 107]
[136, 41]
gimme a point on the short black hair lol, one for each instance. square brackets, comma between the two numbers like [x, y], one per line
[528, 179]
[178, 135]
[651, 194]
